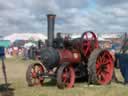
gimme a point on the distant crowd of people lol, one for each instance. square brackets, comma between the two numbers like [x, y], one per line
[14, 51]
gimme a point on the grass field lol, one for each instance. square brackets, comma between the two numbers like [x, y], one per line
[16, 69]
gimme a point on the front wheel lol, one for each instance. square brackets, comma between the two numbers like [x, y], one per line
[33, 74]
[65, 76]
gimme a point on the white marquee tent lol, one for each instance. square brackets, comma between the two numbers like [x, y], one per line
[25, 36]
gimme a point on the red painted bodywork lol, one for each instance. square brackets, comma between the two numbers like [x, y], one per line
[72, 56]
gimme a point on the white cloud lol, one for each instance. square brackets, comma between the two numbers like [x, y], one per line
[72, 16]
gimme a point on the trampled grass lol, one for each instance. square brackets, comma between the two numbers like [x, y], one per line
[16, 70]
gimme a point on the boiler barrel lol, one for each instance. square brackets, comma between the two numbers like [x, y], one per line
[49, 57]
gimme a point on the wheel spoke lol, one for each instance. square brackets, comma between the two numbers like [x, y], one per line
[64, 80]
[33, 73]
[97, 65]
[64, 77]
[104, 55]
[102, 76]
[107, 69]
[103, 59]
[107, 62]
[99, 60]
[105, 72]
[98, 71]
[86, 36]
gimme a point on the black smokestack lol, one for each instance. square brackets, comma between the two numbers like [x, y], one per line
[51, 21]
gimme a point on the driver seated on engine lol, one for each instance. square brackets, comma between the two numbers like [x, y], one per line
[58, 42]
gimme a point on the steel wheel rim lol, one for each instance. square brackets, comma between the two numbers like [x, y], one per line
[68, 77]
[35, 72]
[104, 68]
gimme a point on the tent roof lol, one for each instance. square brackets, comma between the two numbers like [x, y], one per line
[25, 36]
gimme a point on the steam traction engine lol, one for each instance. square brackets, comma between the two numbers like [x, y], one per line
[78, 58]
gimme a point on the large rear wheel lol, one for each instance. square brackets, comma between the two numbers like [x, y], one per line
[100, 67]
[65, 76]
